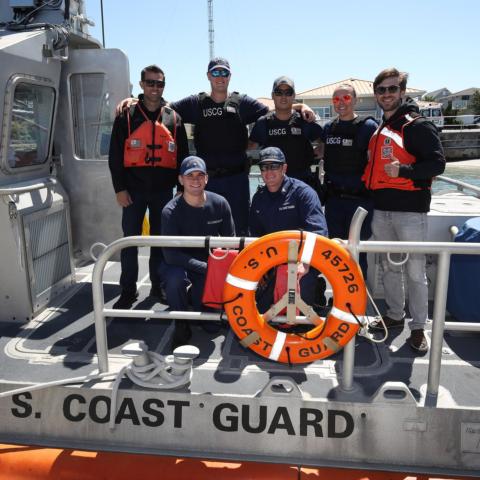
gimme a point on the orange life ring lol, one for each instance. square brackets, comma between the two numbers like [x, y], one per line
[327, 256]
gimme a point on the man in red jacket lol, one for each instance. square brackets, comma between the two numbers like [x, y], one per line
[405, 154]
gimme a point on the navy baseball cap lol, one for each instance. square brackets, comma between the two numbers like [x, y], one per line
[192, 164]
[271, 155]
[283, 81]
[218, 62]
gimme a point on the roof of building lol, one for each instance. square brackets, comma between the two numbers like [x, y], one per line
[467, 91]
[436, 92]
[362, 87]
[267, 101]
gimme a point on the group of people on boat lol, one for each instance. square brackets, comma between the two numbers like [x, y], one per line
[387, 169]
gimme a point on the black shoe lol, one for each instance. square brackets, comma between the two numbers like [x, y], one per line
[125, 301]
[182, 334]
[390, 324]
[159, 292]
[418, 341]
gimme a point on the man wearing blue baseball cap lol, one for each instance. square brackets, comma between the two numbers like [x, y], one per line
[196, 212]
[285, 203]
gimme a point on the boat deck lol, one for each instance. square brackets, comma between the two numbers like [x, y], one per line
[60, 344]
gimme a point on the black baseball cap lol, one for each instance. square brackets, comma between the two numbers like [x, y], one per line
[218, 62]
[283, 81]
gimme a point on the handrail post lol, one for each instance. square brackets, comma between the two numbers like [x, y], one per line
[438, 327]
[98, 304]
[349, 349]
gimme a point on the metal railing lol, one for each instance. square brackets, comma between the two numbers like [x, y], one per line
[444, 250]
[461, 186]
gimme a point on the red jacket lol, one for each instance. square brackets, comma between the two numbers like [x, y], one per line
[384, 144]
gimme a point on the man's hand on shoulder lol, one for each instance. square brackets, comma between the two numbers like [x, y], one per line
[125, 104]
[123, 198]
[307, 113]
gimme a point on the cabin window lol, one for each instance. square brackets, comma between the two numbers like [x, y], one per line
[32, 117]
[92, 123]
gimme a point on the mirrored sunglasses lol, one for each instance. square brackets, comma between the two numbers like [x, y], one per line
[220, 72]
[346, 98]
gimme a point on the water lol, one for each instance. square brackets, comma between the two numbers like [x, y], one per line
[467, 171]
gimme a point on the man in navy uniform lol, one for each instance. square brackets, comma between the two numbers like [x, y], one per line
[195, 212]
[285, 203]
[286, 129]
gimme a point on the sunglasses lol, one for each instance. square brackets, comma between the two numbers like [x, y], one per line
[389, 89]
[283, 93]
[154, 83]
[346, 98]
[220, 72]
[270, 166]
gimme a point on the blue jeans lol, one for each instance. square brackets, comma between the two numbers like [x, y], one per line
[339, 213]
[236, 189]
[404, 226]
[176, 287]
[132, 220]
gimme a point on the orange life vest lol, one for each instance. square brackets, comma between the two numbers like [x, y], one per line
[384, 144]
[153, 143]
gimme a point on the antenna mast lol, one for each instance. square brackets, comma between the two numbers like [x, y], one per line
[211, 31]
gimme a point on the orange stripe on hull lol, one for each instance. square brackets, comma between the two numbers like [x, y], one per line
[25, 463]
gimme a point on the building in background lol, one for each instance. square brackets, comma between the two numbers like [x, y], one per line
[320, 98]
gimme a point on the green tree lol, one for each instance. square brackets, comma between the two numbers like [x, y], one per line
[449, 114]
[428, 98]
[475, 102]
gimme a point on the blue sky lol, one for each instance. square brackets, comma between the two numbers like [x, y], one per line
[314, 41]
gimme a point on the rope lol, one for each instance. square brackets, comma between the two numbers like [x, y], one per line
[155, 375]
[287, 349]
